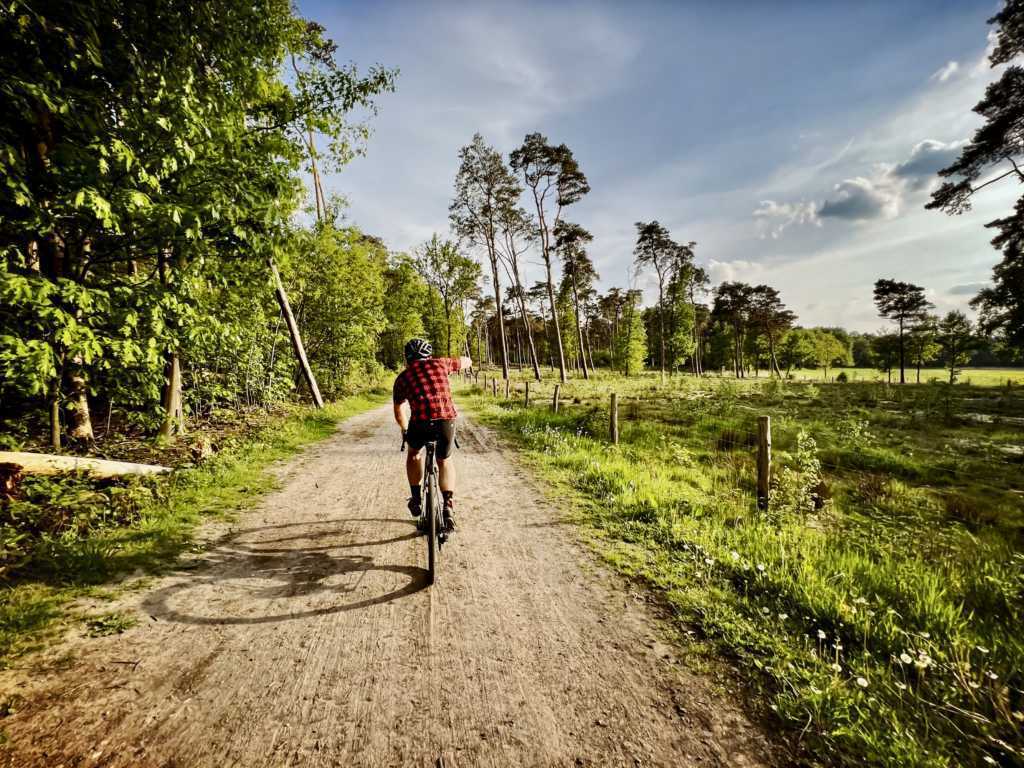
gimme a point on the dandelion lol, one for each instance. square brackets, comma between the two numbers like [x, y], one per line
[906, 658]
[836, 667]
[821, 634]
[862, 682]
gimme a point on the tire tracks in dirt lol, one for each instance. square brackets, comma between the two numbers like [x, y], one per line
[304, 635]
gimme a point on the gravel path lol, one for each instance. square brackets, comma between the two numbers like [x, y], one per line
[304, 635]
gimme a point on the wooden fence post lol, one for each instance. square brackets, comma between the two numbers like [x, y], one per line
[526, 396]
[613, 419]
[506, 388]
[494, 387]
[554, 400]
[764, 460]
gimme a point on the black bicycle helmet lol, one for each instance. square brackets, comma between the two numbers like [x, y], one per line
[418, 349]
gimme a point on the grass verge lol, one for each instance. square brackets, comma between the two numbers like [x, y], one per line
[878, 629]
[77, 565]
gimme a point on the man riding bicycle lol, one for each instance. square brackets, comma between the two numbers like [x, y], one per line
[424, 385]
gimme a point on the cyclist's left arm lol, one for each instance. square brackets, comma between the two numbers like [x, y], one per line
[453, 364]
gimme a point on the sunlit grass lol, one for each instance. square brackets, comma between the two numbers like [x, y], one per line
[882, 627]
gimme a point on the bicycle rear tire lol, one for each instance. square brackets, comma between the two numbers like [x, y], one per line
[431, 536]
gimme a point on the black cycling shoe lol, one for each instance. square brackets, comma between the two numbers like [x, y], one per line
[415, 508]
[449, 519]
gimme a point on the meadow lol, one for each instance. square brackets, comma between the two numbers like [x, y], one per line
[874, 608]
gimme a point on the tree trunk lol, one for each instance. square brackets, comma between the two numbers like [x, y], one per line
[501, 313]
[80, 426]
[293, 330]
[661, 323]
[554, 321]
[520, 296]
[903, 379]
[448, 329]
[174, 412]
[579, 329]
[55, 413]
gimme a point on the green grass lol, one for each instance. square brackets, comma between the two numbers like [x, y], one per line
[33, 607]
[876, 607]
[981, 377]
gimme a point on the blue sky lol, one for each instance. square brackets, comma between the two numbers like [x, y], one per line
[795, 142]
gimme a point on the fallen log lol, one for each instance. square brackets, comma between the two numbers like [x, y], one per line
[49, 464]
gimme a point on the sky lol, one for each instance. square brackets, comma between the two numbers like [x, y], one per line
[795, 142]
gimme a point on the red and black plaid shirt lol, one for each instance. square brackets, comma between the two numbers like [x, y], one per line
[424, 383]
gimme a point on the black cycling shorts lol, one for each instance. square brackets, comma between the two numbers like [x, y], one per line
[420, 433]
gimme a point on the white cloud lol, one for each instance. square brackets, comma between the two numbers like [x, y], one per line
[947, 71]
[926, 159]
[883, 194]
[739, 269]
[776, 217]
[860, 199]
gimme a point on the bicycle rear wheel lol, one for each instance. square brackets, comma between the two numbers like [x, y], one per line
[432, 510]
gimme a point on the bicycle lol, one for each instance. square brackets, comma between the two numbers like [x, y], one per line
[433, 510]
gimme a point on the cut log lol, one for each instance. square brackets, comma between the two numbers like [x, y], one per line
[48, 464]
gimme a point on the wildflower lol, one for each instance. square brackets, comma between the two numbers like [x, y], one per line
[764, 611]
[821, 634]
[760, 567]
[836, 667]
[862, 682]
[905, 658]
[709, 560]
[783, 616]
[734, 555]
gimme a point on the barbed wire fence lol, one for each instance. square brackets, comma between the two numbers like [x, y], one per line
[737, 441]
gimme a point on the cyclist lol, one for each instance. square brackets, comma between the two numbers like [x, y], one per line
[424, 385]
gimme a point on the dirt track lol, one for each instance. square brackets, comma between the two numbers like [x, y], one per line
[304, 636]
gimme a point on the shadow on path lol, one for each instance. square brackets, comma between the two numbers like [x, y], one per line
[285, 573]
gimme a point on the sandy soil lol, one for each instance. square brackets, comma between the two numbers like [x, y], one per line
[304, 635]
